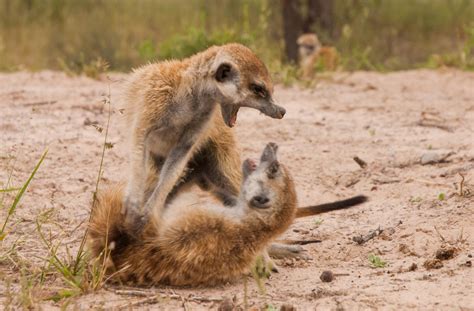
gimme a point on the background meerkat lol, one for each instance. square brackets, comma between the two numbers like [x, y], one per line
[198, 245]
[312, 53]
[173, 112]
[192, 245]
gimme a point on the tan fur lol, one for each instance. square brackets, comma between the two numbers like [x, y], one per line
[193, 245]
[175, 110]
[311, 53]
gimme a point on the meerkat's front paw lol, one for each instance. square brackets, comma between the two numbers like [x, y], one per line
[134, 220]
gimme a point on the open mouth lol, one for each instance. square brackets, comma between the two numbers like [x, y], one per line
[233, 117]
[229, 113]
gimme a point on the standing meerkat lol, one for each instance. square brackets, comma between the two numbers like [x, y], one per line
[312, 53]
[197, 245]
[179, 113]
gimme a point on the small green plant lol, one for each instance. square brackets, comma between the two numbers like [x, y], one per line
[270, 307]
[441, 196]
[376, 261]
[318, 222]
[92, 69]
[146, 50]
[196, 40]
[80, 273]
[415, 199]
[261, 272]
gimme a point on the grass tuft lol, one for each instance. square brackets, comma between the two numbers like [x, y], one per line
[376, 261]
[19, 195]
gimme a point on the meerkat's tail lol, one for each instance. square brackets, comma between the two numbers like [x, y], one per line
[106, 227]
[327, 207]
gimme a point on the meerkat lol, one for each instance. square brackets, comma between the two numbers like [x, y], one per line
[179, 112]
[197, 245]
[312, 53]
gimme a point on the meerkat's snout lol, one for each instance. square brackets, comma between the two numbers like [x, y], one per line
[260, 201]
[280, 112]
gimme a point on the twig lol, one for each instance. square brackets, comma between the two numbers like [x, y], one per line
[361, 239]
[152, 299]
[359, 161]
[461, 190]
[42, 103]
[301, 242]
[440, 235]
[157, 297]
[385, 181]
[132, 292]
[426, 123]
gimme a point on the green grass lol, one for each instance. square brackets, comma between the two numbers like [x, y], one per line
[61, 274]
[81, 36]
[376, 261]
[19, 195]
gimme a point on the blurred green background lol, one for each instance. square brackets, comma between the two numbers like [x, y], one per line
[78, 36]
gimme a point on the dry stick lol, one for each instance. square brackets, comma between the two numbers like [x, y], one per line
[361, 239]
[461, 192]
[42, 103]
[157, 297]
[440, 235]
[359, 161]
[300, 242]
[435, 125]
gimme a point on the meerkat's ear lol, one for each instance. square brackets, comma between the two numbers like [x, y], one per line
[223, 69]
[224, 72]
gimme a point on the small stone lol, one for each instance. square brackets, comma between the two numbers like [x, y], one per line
[434, 157]
[301, 230]
[226, 305]
[413, 267]
[433, 264]
[287, 307]
[327, 276]
[445, 253]
[468, 263]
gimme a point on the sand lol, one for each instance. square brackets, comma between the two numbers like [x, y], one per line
[391, 121]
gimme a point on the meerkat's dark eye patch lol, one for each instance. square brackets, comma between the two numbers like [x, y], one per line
[224, 72]
[259, 90]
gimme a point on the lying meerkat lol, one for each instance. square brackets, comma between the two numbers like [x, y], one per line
[197, 245]
[311, 53]
[178, 113]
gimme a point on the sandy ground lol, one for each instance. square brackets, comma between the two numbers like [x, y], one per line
[391, 121]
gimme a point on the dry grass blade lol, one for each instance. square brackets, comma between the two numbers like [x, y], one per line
[9, 190]
[80, 252]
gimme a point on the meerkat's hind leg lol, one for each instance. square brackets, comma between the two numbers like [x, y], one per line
[283, 251]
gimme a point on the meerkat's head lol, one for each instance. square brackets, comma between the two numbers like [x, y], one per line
[308, 44]
[242, 80]
[268, 186]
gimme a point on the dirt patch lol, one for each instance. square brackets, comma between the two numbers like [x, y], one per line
[402, 128]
